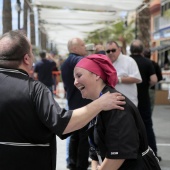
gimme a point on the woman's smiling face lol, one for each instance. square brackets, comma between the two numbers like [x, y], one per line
[86, 82]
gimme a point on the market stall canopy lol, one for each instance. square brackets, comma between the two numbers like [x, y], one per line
[161, 48]
[66, 19]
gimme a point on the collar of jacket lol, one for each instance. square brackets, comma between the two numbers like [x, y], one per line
[20, 71]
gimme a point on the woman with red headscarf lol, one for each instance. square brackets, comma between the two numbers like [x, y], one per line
[118, 139]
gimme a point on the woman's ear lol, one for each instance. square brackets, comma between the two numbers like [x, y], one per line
[97, 77]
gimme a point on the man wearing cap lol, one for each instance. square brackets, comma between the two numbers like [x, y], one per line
[127, 71]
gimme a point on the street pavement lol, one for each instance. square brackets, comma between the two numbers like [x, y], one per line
[161, 124]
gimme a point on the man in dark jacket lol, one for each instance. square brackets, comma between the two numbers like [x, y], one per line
[148, 79]
[43, 70]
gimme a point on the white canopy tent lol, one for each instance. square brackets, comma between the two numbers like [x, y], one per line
[66, 19]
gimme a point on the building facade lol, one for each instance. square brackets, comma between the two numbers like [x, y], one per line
[160, 32]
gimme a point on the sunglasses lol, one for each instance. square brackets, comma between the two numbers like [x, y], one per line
[112, 50]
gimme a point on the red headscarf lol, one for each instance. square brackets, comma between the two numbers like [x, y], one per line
[100, 65]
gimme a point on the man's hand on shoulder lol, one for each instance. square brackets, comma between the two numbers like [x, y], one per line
[112, 101]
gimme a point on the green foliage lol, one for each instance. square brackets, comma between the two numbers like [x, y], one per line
[166, 14]
[118, 31]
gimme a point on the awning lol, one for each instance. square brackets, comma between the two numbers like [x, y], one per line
[161, 48]
[66, 19]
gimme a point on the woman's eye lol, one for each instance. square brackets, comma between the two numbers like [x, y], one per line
[78, 75]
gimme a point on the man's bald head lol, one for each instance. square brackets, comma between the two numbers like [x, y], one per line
[13, 46]
[77, 46]
[136, 47]
[73, 42]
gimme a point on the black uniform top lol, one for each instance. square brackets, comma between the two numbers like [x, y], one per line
[28, 114]
[121, 134]
[157, 71]
[146, 69]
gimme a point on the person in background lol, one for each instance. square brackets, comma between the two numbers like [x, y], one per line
[152, 89]
[90, 48]
[43, 70]
[99, 49]
[30, 118]
[127, 71]
[78, 144]
[149, 79]
[118, 139]
[56, 77]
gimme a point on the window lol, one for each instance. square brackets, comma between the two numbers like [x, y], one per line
[165, 6]
[156, 23]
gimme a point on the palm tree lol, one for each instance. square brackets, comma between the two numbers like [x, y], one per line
[7, 16]
[43, 40]
[25, 16]
[118, 32]
[32, 26]
[143, 24]
[123, 33]
[95, 37]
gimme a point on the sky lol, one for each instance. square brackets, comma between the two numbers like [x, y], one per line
[15, 17]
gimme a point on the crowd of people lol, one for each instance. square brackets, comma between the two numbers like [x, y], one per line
[109, 115]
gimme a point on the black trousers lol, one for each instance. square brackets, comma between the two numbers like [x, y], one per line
[79, 150]
[145, 111]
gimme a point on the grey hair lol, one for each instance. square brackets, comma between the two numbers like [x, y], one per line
[72, 43]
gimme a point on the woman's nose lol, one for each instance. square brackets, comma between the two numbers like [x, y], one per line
[75, 82]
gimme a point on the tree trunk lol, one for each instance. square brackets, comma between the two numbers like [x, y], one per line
[143, 25]
[43, 40]
[32, 27]
[124, 47]
[25, 17]
[7, 16]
